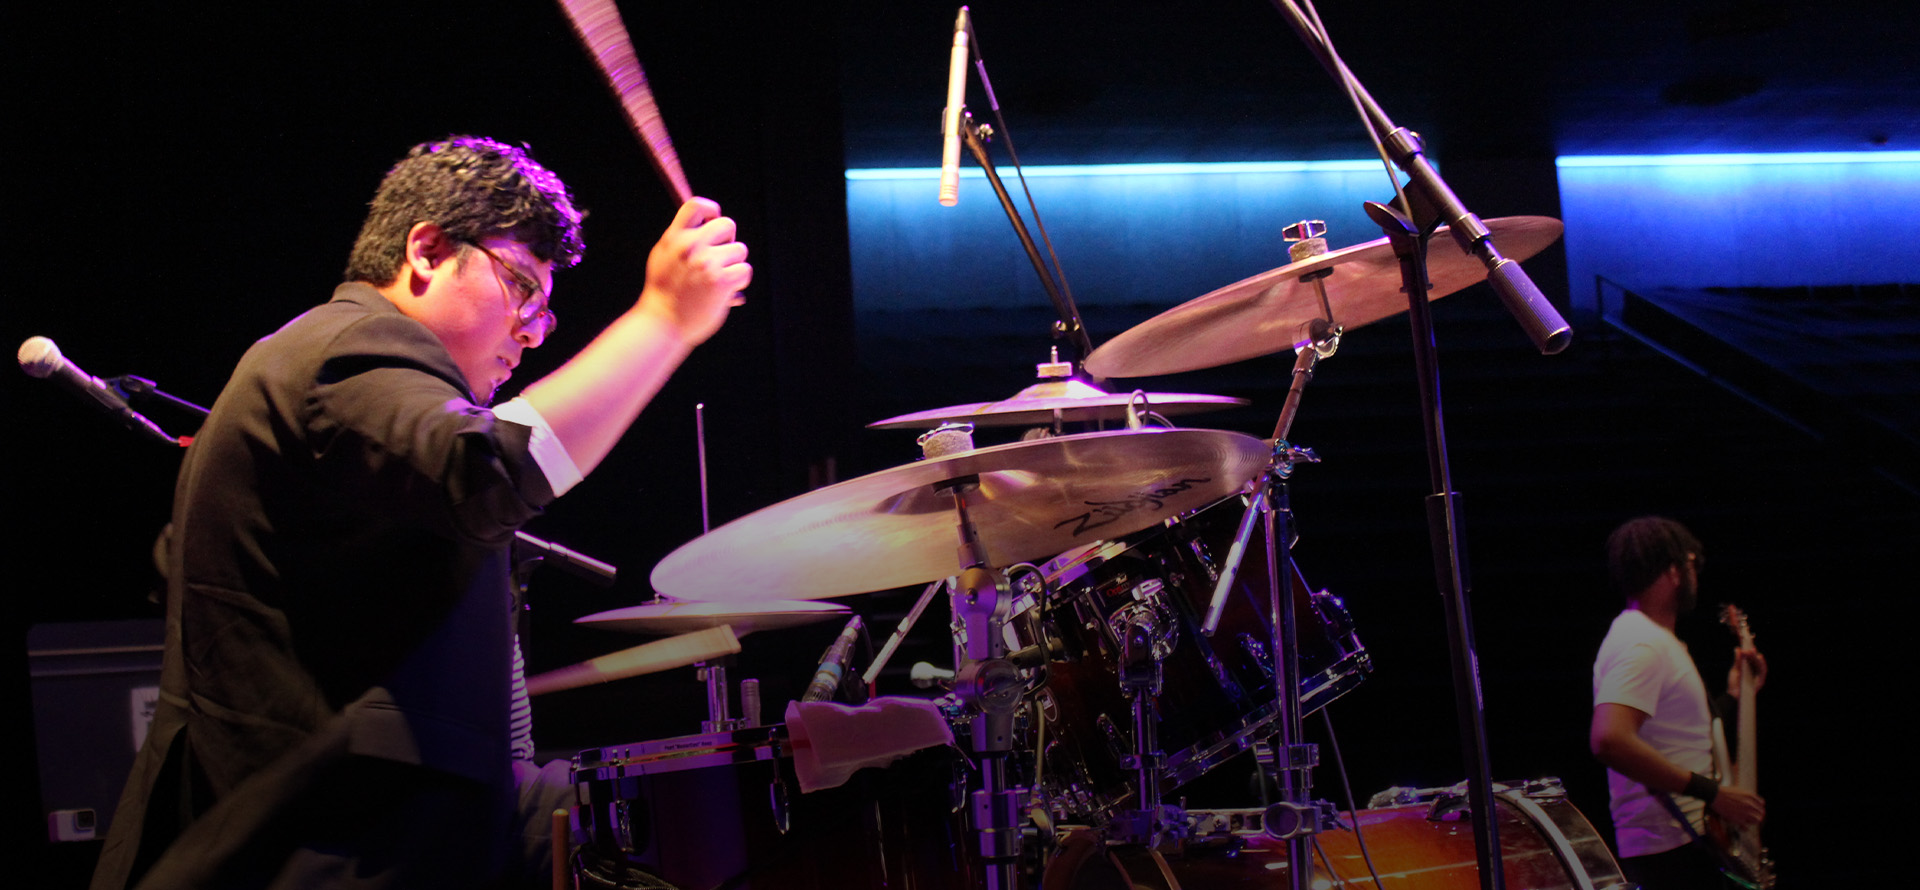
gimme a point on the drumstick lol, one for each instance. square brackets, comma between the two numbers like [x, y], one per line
[598, 24]
[646, 658]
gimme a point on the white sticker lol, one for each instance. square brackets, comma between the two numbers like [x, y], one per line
[142, 701]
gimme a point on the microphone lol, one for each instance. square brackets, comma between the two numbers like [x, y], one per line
[956, 100]
[571, 561]
[833, 665]
[39, 357]
[926, 676]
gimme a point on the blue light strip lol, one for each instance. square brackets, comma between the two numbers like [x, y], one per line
[1360, 166]
[1740, 160]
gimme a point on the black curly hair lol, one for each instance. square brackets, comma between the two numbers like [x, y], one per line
[471, 187]
[1640, 550]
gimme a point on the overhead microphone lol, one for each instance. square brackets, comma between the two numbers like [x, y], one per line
[956, 101]
[41, 358]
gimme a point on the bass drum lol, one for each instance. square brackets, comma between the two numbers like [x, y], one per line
[1217, 694]
[1546, 844]
[724, 810]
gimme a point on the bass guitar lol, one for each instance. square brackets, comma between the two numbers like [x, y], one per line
[1742, 858]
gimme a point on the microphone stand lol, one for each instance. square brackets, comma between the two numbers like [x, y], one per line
[1433, 198]
[1070, 325]
[131, 387]
[1430, 201]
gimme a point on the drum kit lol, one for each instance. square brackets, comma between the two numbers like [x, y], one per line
[1121, 624]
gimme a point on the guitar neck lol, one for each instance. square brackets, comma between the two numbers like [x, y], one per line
[1747, 758]
[1746, 763]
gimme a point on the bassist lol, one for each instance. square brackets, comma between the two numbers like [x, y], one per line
[1651, 725]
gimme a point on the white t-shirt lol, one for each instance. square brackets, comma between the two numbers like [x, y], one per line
[1645, 667]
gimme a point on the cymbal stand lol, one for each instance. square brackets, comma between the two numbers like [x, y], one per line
[1296, 817]
[991, 686]
[714, 673]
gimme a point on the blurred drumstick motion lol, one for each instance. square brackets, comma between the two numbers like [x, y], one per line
[598, 24]
[647, 658]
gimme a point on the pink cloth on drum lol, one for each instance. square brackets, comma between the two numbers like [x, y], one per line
[832, 741]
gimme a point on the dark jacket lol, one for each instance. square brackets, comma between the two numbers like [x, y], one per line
[337, 591]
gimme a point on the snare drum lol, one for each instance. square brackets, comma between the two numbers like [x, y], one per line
[723, 809]
[1545, 844]
[1217, 694]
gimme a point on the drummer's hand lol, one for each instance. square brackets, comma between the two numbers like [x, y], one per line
[695, 271]
[1739, 807]
[1755, 662]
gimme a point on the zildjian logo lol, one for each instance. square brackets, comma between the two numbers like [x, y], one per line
[1108, 512]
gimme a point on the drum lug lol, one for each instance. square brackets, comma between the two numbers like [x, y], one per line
[778, 804]
[625, 836]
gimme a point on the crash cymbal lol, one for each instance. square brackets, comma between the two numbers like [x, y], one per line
[675, 617]
[1076, 401]
[1270, 312]
[898, 527]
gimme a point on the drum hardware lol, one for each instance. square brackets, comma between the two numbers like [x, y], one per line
[1143, 648]
[1297, 815]
[1217, 694]
[990, 686]
[719, 709]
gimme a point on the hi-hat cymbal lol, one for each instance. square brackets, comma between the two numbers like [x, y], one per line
[1075, 401]
[1270, 312]
[674, 617]
[898, 527]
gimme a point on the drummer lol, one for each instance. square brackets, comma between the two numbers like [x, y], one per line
[334, 702]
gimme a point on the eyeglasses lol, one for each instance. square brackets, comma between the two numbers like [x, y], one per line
[532, 305]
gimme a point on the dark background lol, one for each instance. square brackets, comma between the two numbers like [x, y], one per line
[186, 177]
